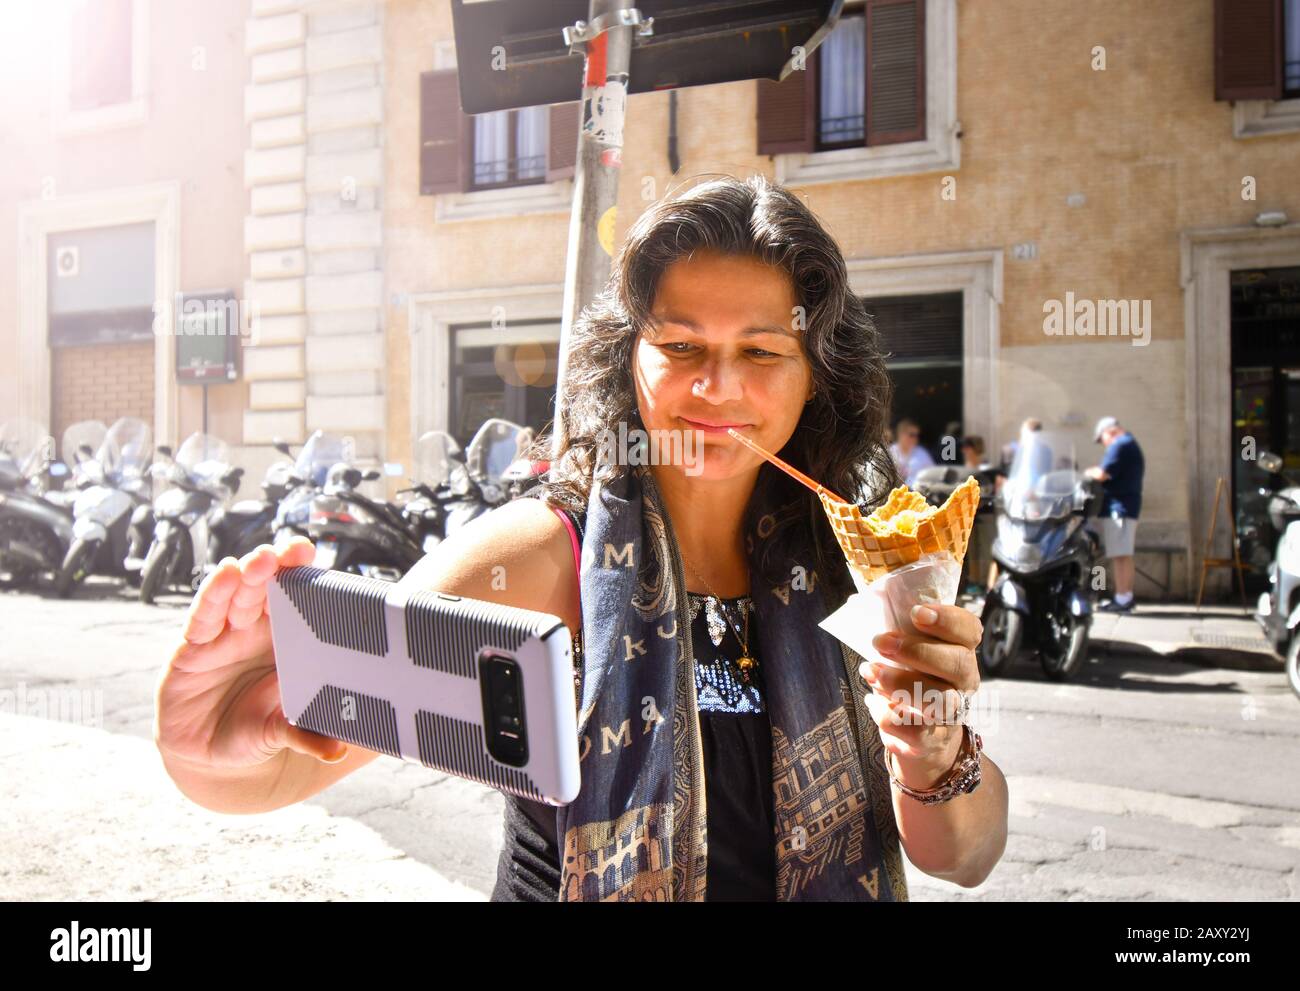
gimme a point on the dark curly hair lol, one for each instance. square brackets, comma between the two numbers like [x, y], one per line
[840, 437]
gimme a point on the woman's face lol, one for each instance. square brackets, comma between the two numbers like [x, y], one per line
[724, 349]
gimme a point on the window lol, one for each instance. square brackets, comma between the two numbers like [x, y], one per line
[101, 71]
[100, 54]
[1257, 64]
[509, 147]
[878, 99]
[500, 164]
[100, 285]
[841, 86]
[507, 372]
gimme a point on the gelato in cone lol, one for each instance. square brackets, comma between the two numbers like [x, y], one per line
[903, 529]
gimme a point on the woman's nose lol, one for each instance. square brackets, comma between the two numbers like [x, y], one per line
[719, 382]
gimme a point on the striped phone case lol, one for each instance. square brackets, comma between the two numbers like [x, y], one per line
[408, 673]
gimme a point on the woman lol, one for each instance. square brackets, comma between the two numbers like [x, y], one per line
[727, 744]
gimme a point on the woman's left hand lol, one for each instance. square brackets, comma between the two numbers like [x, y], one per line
[915, 706]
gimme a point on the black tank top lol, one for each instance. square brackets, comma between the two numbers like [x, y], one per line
[737, 748]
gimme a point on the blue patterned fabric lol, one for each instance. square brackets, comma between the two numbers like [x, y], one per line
[637, 829]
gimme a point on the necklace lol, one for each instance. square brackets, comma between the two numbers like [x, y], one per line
[745, 662]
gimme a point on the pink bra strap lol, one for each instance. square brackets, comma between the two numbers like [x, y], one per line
[577, 550]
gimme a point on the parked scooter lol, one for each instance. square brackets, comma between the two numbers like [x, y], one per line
[356, 533]
[196, 529]
[35, 529]
[1278, 609]
[302, 483]
[1043, 597]
[937, 482]
[437, 456]
[480, 485]
[113, 481]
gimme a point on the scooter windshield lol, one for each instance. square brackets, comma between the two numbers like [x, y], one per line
[26, 445]
[496, 446]
[321, 453]
[84, 433]
[1043, 478]
[204, 456]
[436, 453]
[127, 449]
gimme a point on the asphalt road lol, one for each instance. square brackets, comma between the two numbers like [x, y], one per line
[1145, 779]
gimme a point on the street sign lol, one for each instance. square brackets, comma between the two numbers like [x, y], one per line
[512, 53]
[207, 337]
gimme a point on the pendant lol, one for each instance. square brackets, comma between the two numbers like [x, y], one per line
[746, 664]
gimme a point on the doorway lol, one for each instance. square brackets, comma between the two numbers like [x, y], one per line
[1265, 328]
[921, 336]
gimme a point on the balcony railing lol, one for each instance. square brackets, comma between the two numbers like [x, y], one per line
[510, 171]
[841, 130]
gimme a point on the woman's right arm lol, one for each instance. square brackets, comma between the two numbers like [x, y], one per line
[218, 723]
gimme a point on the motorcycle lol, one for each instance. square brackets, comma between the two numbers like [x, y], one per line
[300, 484]
[113, 481]
[196, 529]
[1043, 597]
[437, 457]
[35, 519]
[481, 484]
[1278, 609]
[937, 482]
[356, 533]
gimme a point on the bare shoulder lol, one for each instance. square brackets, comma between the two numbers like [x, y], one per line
[518, 554]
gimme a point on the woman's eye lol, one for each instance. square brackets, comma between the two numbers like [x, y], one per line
[677, 347]
[761, 353]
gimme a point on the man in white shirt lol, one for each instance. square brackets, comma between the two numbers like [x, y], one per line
[908, 454]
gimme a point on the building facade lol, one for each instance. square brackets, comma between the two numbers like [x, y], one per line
[1054, 210]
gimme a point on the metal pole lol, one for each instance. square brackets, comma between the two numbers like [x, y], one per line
[598, 165]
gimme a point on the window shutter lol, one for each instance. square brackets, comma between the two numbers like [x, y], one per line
[924, 328]
[787, 112]
[441, 129]
[1247, 49]
[895, 75]
[563, 142]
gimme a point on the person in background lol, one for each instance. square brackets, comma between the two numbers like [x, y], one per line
[1120, 472]
[1012, 448]
[972, 451]
[907, 451]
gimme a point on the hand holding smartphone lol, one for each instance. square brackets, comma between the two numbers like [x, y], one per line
[473, 688]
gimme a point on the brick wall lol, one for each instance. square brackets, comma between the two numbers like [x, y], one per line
[101, 382]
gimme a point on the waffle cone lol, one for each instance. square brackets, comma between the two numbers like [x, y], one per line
[877, 544]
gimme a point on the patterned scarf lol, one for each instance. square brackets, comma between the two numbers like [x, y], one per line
[637, 829]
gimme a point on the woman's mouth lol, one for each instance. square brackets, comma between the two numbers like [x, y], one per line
[719, 427]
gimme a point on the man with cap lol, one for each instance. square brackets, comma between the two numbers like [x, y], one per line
[1120, 472]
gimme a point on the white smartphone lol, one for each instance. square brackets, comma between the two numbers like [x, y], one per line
[472, 688]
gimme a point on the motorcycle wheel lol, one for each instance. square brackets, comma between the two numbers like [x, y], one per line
[1293, 663]
[74, 567]
[17, 574]
[1065, 645]
[157, 563]
[1003, 632]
